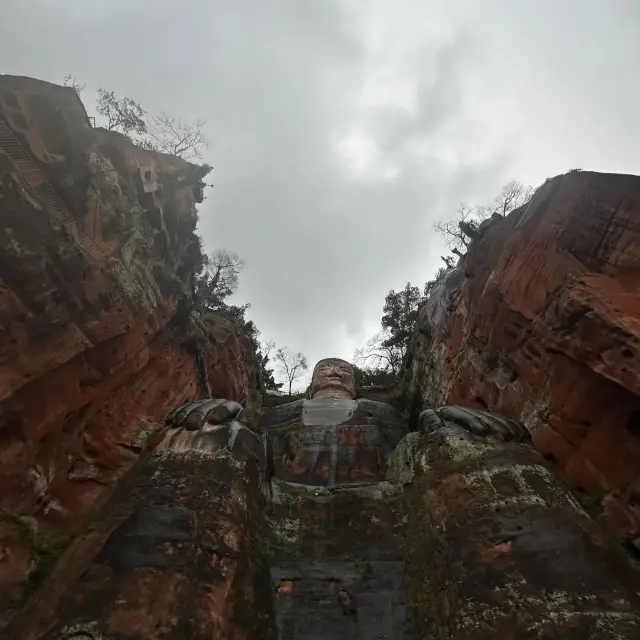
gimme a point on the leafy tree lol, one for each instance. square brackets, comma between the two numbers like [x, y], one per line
[399, 317]
[292, 365]
[218, 279]
[387, 349]
[167, 134]
[264, 351]
[122, 114]
[368, 377]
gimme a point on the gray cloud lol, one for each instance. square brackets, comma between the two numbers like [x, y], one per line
[341, 130]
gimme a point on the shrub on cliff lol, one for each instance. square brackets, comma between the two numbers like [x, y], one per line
[163, 133]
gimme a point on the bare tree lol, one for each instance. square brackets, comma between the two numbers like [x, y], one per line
[70, 81]
[122, 114]
[167, 134]
[292, 365]
[513, 195]
[452, 231]
[267, 347]
[378, 353]
[218, 278]
[460, 231]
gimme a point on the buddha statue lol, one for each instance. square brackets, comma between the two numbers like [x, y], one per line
[457, 529]
[331, 438]
[329, 518]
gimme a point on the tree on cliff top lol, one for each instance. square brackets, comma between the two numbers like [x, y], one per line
[70, 81]
[216, 280]
[163, 133]
[460, 231]
[453, 231]
[167, 134]
[122, 114]
[292, 365]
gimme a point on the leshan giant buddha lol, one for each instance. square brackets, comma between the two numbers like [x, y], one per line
[336, 521]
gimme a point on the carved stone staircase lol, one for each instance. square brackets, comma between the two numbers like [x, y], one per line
[35, 182]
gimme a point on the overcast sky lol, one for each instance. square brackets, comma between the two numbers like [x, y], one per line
[341, 130]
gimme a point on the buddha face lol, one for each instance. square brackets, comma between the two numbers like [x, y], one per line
[333, 378]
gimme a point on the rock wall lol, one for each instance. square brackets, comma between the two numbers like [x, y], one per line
[540, 322]
[97, 340]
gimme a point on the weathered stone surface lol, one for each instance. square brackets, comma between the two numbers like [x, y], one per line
[468, 534]
[541, 322]
[337, 564]
[498, 548]
[459, 530]
[174, 554]
[332, 441]
[93, 352]
[465, 534]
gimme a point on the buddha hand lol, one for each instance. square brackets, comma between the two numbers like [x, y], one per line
[193, 416]
[214, 425]
[479, 423]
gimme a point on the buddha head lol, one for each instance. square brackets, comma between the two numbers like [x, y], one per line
[333, 378]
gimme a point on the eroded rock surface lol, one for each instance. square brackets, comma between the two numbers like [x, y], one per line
[541, 322]
[465, 533]
[97, 345]
[496, 545]
[173, 554]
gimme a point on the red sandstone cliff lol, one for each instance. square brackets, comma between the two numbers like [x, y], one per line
[541, 322]
[96, 341]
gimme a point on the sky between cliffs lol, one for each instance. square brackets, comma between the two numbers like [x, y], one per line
[340, 130]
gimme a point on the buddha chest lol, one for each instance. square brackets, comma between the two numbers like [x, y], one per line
[332, 441]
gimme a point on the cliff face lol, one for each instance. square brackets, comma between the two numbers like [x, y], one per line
[541, 322]
[97, 340]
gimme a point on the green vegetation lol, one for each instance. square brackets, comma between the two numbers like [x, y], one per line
[46, 549]
[383, 356]
[588, 500]
[161, 133]
[426, 566]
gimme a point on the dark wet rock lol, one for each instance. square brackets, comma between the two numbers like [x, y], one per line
[497, 546]
[174, 554]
